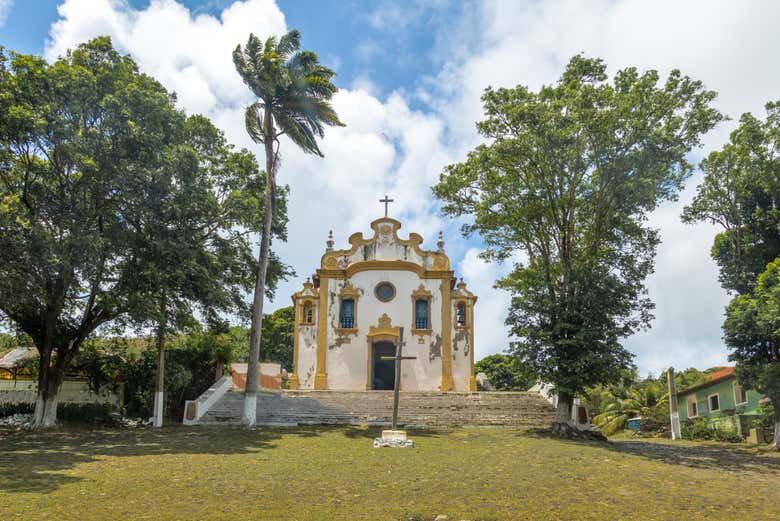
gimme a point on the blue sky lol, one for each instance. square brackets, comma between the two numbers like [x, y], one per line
[411, 74]
[393, 59]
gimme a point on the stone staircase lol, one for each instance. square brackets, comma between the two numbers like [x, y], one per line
[416, 409]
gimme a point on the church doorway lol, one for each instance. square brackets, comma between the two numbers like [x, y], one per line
[382, 371]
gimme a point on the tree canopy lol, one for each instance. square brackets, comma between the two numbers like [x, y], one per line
[565, 182]
[506, 372]
[109, 197]
[741, 194]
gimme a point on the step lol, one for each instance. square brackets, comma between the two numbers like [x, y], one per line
[287, 408]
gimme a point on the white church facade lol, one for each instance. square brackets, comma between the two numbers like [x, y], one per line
[364, 299]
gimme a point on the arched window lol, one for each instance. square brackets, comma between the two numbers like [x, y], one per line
[308, 313]
[421, 313]
[461, 315]
[347, 313]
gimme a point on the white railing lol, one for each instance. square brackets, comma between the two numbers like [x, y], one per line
[195, 409]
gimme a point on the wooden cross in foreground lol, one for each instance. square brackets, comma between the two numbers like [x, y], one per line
[397, 359]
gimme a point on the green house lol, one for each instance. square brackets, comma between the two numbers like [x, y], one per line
[720, 400]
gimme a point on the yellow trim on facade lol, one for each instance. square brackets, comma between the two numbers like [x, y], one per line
[467, 298]
[470, 318]
[307, 295]
[446, 336]
[292, 380]
[438, 261]
[321, 374]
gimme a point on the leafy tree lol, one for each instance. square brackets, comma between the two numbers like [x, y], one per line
[277, 345]
[506, 372]
[200, 208]
[567, 178]
[741, 194]
[278, 336]
[642, 402]
[752, 331]
[293, 93]
[114, 206]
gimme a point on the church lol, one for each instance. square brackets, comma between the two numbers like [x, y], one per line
[364, 299]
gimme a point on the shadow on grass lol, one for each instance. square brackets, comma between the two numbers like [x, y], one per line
[32, 461]
[35, 461]
[703, 456]
[694, 455]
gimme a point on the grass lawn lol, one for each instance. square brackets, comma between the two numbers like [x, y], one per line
[334, 473]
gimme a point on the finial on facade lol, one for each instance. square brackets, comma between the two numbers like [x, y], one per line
[330, 241]
[440, 242]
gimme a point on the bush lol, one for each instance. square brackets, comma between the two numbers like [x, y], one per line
[85, 412]
[506, 372]
[766, 416]
[700, 429]
[68, 412]
[9, 409]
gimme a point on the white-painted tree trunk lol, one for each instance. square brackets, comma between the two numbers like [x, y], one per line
[777, 435]
[45, 412]
[675, 424]
[159, 408]
[563, 411]
[249, 418]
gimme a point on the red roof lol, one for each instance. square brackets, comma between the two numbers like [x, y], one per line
[721, 373]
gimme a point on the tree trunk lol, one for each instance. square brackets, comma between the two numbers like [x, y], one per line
[249, 416]
[563, 410]
[776, 405]
[159, 391]
[49, 382]
[220, 370]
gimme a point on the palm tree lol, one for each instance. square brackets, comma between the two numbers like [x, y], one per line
[293, 93]
[618, 410]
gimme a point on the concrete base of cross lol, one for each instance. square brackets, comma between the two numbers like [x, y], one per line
[391, 438]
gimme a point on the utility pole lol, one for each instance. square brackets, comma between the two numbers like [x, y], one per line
[674, 415]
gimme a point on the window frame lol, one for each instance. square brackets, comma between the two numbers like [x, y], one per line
[734, 386]
[383, 284]
[341, 313]
[348, 292]
[709, 402]
[310, 305]
[694, 403]
[427, 305]
[465, 324]
[421, 293]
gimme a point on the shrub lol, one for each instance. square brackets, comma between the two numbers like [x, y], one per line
[700, 429]
[85, 412]
[765, 418]
[9, 409]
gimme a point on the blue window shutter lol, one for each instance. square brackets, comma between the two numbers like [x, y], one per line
[421, 314]
[347, 318]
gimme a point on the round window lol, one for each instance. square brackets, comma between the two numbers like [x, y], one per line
[384, 291]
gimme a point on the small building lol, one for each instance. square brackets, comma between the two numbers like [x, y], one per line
[721, 401]
[19, 383]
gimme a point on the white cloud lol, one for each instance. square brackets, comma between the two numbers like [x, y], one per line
[387, 147]
[5, 10]
[732, 47]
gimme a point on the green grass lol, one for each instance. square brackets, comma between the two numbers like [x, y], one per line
[334, 473]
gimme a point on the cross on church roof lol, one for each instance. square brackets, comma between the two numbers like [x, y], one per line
[387, 201]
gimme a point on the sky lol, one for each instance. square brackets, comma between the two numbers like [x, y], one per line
[410, 76]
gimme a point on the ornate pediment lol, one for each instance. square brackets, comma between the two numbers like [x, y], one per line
[384, 327]
[385, 250]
